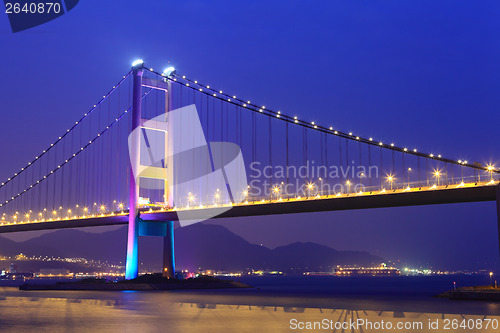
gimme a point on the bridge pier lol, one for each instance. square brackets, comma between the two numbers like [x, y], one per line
[169, 252]
[165, 230]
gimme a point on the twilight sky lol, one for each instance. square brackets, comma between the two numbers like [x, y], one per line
[424, 74]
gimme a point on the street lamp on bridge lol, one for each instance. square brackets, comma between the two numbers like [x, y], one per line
[490, 169]
[276, 191]
[310, 187]
[217, 197]
[390, 179]
[437, 174]
[409, 169]
[191, 198]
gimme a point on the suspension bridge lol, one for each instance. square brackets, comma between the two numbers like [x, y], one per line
[89, 175]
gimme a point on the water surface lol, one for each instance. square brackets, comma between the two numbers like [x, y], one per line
[271, 306]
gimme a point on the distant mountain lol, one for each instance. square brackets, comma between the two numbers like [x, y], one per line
[311, 256]
[200, 245]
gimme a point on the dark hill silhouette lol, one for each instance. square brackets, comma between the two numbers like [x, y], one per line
[200, 245]
[311, 256]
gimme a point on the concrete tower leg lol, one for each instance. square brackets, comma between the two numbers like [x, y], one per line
[132, 262]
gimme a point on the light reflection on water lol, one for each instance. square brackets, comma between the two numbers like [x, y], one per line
[244, 310]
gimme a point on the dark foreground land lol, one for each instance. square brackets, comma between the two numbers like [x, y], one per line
[144, 282]
[479, 293]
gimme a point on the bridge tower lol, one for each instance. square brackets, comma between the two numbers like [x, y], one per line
[136, 226]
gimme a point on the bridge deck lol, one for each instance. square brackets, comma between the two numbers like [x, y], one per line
[396, 198]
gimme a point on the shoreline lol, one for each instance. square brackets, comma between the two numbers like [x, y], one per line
[475, 293]
[142, 283]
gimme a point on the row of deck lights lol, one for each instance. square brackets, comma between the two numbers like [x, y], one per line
[276, 190]
[57, 214]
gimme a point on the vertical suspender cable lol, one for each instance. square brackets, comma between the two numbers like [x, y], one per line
[73, 166]
[306, 156]
[271, 151]
[419, 179]
[340, 153]
[321, 149]
[61, 192]
[40, 205]
[54, 180]
[427, 170]
[109, 170]
[25, 199]
[118, 161]
[286, 130]
[360, 161]
[326, 151]
[369, 165]
[381, 168]
[404, 170]
[393, 164]
[254, 138]
[100, 171]
[446, 166]
[347, 154]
